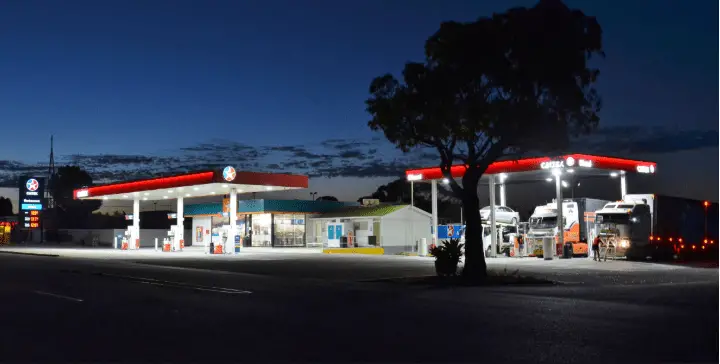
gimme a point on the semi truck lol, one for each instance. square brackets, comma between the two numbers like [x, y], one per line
[576, 213]
[648, 226]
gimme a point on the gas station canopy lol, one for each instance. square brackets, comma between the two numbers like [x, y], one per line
[572, 162]
[197, 184]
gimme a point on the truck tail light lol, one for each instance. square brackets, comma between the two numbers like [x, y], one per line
[693, 247]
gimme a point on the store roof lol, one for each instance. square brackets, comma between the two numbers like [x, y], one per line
[265, 206]
[197, 184]
[362, 211]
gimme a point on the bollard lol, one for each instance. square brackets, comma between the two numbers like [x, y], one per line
[156, 244]
[548, 248]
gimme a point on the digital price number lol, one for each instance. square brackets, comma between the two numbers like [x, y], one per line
[32, 221]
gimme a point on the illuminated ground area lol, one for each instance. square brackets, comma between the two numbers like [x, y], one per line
[310, 308]
[310, 263]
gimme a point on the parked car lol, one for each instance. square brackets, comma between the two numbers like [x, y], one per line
[503, 214]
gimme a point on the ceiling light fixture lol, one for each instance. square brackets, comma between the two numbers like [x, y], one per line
[125, 196]
[225, 186]
[268, 188]
[195, 188]
[164, 196]
[147, 193]
[170, 191]
[187, 195]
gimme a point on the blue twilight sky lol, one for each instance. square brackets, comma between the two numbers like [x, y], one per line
[136, 86]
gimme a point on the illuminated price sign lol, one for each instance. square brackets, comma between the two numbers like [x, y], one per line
[31, 201]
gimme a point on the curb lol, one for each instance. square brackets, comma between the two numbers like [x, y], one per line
[24, 253]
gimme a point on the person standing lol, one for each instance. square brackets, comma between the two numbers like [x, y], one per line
[596, 248]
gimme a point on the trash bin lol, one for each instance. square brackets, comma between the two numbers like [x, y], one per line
[423, 251]
[567, 251]
[548, 248]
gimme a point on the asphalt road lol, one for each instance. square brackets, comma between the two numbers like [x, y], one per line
[72, 310]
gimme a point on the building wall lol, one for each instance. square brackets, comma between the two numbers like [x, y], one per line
[402, 230]
[106, 236]
[205, 224]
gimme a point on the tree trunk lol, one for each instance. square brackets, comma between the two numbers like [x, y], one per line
[475, 267]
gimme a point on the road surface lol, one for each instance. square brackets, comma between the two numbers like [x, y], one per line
[72, 310]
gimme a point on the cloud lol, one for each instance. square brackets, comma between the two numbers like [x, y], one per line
[373, 157]
[629, 140]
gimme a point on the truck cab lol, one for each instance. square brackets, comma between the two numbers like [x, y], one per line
[628, 224]
[543, 223]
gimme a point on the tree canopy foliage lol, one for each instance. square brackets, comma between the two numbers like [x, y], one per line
[6, 207]
[398, 191]
[493, 88]
[71, 212]
[327, 198]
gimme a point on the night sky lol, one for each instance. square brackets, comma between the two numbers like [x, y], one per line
[133, 88]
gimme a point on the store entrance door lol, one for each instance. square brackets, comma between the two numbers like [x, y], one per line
[335, 233]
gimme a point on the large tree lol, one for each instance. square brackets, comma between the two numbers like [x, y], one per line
[490, 89]
[71, 212]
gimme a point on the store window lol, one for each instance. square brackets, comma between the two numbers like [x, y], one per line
[261, 230]
[217, 224]
[289, 230]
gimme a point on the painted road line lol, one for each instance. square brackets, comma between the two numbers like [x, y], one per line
[158, 282]
[58, 296]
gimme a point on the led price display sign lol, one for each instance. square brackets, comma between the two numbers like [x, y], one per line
[32, 201]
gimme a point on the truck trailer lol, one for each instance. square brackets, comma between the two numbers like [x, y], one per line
[660, 227]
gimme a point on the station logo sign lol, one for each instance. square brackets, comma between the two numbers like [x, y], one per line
[568, 162]
[32, 202]
[552, 164]
[415, 177]
[229, 174]
[645, 169]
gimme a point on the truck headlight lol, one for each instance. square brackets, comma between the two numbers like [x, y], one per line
[624, 243]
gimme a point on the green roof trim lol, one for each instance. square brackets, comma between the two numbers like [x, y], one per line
[203, 209]
[371, 211]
